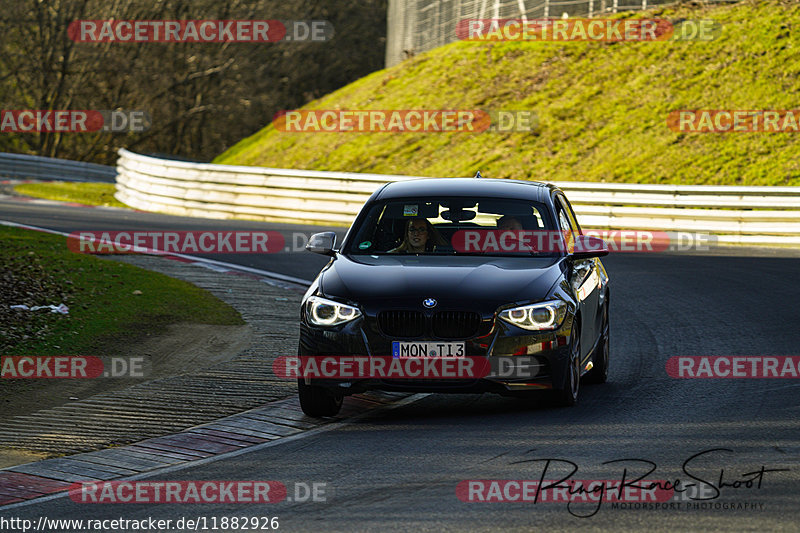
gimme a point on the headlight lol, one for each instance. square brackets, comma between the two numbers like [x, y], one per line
[536, 317]
[322, 312]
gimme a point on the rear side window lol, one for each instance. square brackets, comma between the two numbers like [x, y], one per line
[573, 220]
[566, 229]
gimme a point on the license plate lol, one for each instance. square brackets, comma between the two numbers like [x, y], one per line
[428, 349]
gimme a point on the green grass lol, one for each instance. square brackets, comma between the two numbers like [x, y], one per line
[39, 270]
[602, 108]
[67, 191]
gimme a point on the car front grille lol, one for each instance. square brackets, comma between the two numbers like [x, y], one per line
[402, 323]
[443, 325]
[455, 324]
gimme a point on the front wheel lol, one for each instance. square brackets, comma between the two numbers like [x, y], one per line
[599, 372]
[568, 395]
[318, 401]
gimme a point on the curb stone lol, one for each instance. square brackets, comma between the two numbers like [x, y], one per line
[176, 419]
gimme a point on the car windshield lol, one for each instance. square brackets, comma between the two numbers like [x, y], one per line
[454, 226]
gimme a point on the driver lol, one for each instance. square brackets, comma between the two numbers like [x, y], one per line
[419, 236]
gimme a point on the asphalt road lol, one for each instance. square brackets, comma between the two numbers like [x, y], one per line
[398, 469]
[69, 219]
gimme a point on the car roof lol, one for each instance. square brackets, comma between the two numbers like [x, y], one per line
[481, 187]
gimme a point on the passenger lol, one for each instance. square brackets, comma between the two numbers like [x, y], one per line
[508, 222]
[420, 236]
[512, 223]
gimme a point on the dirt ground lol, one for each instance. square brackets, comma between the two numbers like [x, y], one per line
[181, 349]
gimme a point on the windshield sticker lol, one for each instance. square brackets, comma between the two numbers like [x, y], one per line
[410, 210]
[364, 245]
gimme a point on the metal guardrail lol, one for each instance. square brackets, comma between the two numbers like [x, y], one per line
[227, 191]
[747, 215]
[19, 166]
[736, 215]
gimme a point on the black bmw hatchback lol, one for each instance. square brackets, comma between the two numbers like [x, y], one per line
[452, 271]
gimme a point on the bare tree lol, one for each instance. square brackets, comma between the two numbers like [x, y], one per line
[202, 98]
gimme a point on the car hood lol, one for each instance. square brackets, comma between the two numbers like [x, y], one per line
[480, 283]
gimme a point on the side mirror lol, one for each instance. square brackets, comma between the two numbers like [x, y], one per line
[588, 246]
[322, 243]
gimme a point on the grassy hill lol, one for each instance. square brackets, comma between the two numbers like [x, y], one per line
[602, 108]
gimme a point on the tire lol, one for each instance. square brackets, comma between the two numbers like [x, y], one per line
[599, 372]
[318, 401]
[568, 395]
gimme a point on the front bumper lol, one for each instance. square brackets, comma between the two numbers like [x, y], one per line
[521, 360]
